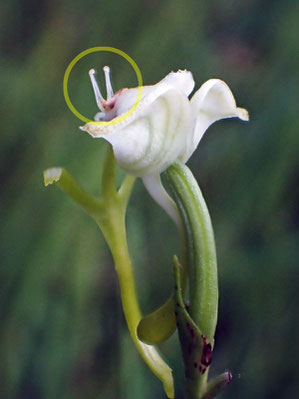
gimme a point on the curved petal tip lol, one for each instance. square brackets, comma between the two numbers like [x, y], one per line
[181, 80]
[243, 114]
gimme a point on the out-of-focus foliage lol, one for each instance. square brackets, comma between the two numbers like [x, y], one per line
[62, 332]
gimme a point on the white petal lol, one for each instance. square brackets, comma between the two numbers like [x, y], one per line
[181, 80]
[155, 188]
[213, 101]
[128, 98]
[150, 139]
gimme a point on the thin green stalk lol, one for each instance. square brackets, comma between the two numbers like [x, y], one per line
[117, 241]
[109, 212]
[112, 223]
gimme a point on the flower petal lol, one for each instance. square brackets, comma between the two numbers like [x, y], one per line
[213, 101]
[150, 139]
[181, 80]
[125, 98]
[155, 188]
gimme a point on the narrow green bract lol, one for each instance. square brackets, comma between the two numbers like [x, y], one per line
[196, 322]
[201, 248]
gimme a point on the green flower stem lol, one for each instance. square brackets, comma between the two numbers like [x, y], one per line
[67, 184]
[115, 233]
[159, 325]
[191, 342]
[109, 212]
[217, 385]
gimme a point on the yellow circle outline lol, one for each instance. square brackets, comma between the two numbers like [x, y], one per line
[74, 62]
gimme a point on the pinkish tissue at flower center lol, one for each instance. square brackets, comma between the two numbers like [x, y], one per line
[107, 106]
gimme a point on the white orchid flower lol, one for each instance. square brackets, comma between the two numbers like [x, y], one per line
[165, 127]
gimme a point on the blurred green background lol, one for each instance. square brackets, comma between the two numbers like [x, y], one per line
[62, 332]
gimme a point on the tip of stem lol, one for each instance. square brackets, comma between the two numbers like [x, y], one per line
[217, 385]
[51, 175]
[229, 377]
